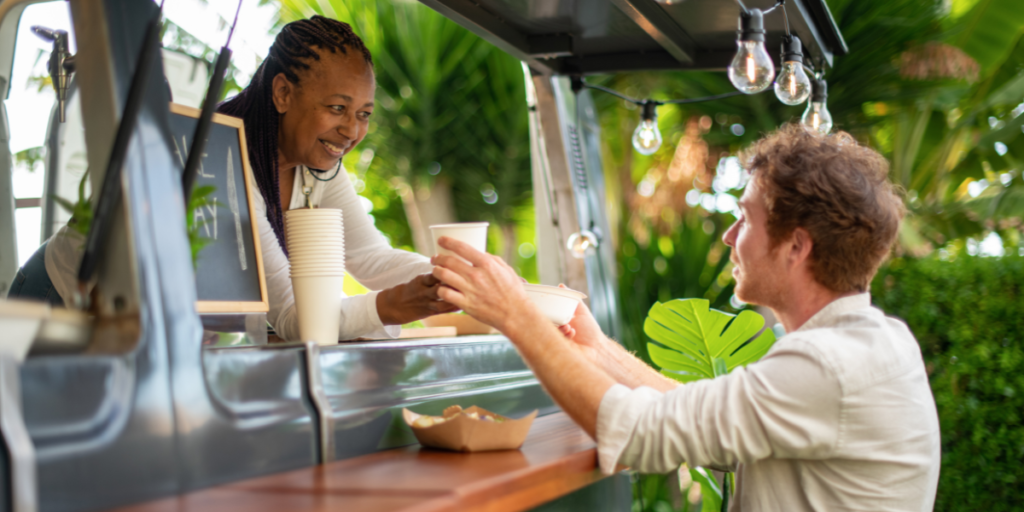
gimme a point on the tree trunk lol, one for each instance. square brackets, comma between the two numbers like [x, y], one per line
[425, 207]
[508, 238]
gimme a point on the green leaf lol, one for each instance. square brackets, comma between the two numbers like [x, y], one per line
[702, 342]
[711, 494]
[664, 358]
[989, 30]
[1010, 93]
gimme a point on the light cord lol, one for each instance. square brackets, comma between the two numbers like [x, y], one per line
[658, 103]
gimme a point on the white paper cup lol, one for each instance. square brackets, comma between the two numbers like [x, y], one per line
[305, 213]
[319, 259]
[472, 233]
[558, 304]
[312, 268]
[319, 248]
[317, 268]
[325, 225]
[314, 243]
[334, 232]
[318, 303]
[326, 252]
[318, 274]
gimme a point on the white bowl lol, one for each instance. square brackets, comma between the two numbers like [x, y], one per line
[558, 304]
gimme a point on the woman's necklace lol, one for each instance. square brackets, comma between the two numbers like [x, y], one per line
[307, 190]
[336, 171]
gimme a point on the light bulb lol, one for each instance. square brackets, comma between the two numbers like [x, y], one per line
[582, 244]
[647, 137]
[751, 70]
[792, 86]
[817, 117]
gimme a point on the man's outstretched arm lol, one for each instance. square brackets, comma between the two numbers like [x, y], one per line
[619, 364]
[490, 291]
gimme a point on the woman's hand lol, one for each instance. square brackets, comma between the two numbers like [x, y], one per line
[483, 285]
[411, 301]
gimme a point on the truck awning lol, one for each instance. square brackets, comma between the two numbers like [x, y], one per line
[603, 36]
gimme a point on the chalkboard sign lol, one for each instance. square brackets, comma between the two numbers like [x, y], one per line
[229, 273]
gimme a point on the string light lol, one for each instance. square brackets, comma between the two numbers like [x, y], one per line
[792, 87]
[647, 137]
[817, 116]
[751, 70]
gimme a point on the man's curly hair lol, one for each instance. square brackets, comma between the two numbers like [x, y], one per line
[835, 189]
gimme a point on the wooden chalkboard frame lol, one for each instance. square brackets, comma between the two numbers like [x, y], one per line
[218, 306]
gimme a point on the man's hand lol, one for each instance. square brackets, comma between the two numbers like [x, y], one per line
[485, 287]
[584, 331]
[411, 301]
[490, 291]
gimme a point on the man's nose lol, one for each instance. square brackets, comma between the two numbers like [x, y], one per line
[729, 238]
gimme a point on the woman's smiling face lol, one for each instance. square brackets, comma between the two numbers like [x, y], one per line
[327, 113]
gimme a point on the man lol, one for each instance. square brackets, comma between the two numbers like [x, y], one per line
[838, 415]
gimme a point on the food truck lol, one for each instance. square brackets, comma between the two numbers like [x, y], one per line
[125, 406]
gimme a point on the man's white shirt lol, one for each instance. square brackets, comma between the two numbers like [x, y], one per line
[838, 415]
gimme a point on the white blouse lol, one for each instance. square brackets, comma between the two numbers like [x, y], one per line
[368, 258]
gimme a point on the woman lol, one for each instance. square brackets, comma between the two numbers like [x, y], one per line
[307, 106]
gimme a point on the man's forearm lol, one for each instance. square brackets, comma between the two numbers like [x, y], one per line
[576, 384]
[629, 370]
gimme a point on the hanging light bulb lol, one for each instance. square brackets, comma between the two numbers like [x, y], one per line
[647, 137]
[817, 117]
[751, 70]
[792, 86]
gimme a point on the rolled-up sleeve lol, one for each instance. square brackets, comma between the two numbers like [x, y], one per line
[788, 405]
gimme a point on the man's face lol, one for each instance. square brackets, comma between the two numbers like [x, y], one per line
[328, 112]
[759, 270]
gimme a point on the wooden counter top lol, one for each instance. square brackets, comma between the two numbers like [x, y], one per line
[556, 459]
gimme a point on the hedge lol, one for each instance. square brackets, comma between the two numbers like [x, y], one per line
[968, 316]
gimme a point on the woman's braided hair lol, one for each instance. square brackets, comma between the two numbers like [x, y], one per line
[296, 44]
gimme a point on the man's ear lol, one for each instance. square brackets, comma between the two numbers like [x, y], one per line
[800, 246]
[283, 93]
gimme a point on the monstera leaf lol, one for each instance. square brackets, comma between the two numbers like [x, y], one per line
[698, 342]
[704, 343]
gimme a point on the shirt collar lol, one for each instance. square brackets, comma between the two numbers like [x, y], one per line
[828, 314]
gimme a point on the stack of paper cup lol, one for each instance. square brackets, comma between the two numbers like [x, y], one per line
[316, 252]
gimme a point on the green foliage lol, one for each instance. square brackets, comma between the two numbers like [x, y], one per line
[692, 261]
[966, 315]
[989, 30]
[703, 343]
[698, 342]
[199, 198]
[30, 157]
[80, 210]
[711, 495]
[451, 106]
[180, 40]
